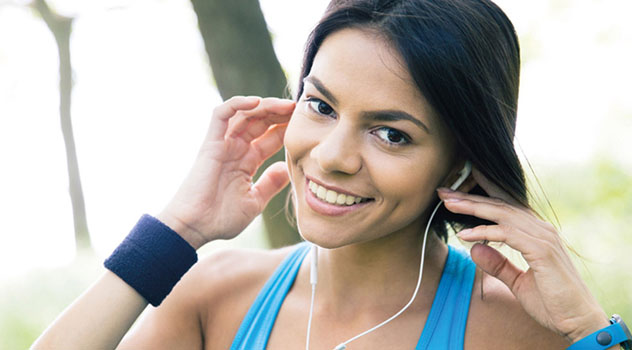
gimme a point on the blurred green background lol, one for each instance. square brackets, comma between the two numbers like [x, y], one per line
[145, 78]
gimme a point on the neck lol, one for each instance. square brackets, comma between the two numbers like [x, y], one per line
[382, 273]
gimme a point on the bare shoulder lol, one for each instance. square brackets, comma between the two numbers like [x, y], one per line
[228, 281]
[230, 272]
[497, 321]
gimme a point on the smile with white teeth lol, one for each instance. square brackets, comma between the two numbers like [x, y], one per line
[333, 197]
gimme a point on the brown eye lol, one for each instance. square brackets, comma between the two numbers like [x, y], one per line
[324, 108]
[392, 136]
[319, 106]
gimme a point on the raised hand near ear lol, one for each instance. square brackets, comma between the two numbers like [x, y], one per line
[551, 289]
[217, 200]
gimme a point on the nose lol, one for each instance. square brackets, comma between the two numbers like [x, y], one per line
[339, 150]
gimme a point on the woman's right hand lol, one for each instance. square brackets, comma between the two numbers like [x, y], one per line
[217, 200]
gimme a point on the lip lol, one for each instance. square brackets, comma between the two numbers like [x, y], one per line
[328, 209]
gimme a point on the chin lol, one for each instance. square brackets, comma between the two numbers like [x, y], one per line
[328, 236]
[329, 239]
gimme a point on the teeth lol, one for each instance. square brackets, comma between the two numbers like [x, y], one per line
[332, 197]
[321, 192]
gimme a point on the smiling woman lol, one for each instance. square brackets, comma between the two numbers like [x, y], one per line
[403, 107]
[365, 140]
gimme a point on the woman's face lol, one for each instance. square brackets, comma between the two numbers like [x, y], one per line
[365, 150]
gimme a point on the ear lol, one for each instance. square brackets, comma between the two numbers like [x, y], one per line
[469, 182]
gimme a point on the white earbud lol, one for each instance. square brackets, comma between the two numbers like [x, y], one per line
[463, 174]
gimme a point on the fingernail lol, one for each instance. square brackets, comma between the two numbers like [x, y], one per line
[445, 190]
[253, 98]
[465, 232]
[452, 200]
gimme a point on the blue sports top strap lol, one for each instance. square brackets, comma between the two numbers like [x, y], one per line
[445, 326]
[256, 327]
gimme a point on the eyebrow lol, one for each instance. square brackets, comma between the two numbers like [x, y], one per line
[381, 115]
[321, 87]
[394, 115]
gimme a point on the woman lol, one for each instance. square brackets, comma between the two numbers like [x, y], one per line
[395, 98]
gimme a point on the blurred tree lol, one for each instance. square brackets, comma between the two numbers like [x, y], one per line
[243, 62]
[61, 27]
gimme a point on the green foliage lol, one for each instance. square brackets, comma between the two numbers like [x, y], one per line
[29, 304]
[593, 202]
[602, 187]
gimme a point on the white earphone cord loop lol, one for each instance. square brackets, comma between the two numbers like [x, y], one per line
[343, 345]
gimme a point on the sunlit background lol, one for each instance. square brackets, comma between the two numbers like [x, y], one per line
[143, 95]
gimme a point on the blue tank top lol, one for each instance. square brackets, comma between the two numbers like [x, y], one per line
[444, 328]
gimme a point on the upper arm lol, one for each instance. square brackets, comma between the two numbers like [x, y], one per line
[176, 322]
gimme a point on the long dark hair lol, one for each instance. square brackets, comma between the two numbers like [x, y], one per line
[465, 59]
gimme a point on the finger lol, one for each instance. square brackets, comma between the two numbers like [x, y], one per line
[527, 214]
[271, 182]
[499, 212]
[250, 128]
[263, 148]
[502, 213]
[253, 123]
[509, 235]
[269, 143]
[445, 193]
[494, 263]
[225, 111]
[492, 189]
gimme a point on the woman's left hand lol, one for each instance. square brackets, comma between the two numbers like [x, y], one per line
[551, 290]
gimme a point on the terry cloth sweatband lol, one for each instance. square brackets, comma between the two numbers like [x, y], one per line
[152, 259]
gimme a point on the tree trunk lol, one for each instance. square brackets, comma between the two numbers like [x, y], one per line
[61, 27]
[243, 62]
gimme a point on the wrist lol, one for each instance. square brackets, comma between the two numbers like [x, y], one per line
[152, 259]
[191, 236]
[615, 335]
[597, 322]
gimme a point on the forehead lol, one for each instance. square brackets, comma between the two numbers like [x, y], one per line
[360, 67]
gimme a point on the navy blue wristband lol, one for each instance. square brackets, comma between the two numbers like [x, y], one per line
[152, 259]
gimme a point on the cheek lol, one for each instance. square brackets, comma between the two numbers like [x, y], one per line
[398, 181]
[293, 142]
[409, 182]
[300, 136]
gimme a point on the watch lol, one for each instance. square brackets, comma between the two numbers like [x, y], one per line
[616, 333]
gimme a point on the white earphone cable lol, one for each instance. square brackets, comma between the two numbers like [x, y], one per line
[311, 310]
[343, 345]
[313, 280]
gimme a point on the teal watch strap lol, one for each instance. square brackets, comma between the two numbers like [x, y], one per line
[616, 333]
